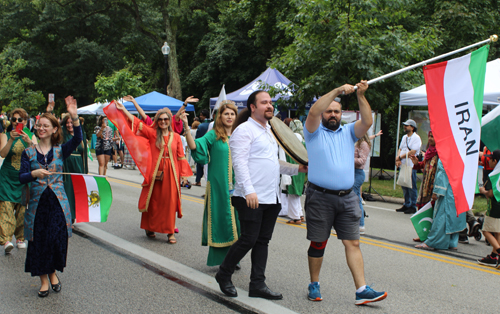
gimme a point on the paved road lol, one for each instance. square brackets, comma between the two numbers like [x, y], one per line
[113, 268]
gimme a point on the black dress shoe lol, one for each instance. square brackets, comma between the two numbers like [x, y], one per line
[226, 286]
[265, 293]
[402, 209]
[57, 287]
[43, 294]
[411, 210]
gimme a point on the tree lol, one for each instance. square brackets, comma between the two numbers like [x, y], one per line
[237, 46]
[119, 84]
[15, 92]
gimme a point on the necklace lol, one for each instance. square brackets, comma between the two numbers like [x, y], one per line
[44, 157]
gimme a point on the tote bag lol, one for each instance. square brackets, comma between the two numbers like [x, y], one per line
[405, 172]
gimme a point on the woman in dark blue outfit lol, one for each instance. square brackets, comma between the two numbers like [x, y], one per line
[47, 221]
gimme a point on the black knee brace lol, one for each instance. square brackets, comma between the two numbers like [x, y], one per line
[317, 249]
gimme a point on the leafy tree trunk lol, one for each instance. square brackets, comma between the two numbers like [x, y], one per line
[174, 85]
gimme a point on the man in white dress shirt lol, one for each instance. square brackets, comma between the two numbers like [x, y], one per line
[256, 197]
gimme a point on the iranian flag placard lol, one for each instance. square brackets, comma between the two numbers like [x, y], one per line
[93, 197]
[495, 182]
[455, 91]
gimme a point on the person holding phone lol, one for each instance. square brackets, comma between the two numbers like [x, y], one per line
[12, 144]
[103, 145]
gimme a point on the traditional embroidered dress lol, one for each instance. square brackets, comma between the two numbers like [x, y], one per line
[160, 200]
[445, 225]
[11, 210]
[221, 226]
[77, 162]
[428, 167]
[47, 221]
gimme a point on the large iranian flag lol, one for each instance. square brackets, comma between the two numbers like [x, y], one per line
[455, 91]
[93, 197]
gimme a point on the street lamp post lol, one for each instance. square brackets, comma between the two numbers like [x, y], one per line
[165, 50]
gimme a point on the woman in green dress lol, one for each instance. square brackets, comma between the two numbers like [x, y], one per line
[12, 144]
[76, 163]
[221, 226]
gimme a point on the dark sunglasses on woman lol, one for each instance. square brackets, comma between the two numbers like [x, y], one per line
[18, 120]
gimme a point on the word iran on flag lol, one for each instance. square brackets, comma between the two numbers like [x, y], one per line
[455, 91]
[93, 197]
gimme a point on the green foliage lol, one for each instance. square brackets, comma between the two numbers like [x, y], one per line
[119, 84]
[15, 92]
[236, 46]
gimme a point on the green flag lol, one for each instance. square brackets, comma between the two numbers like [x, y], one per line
[89, 154]
[489, 129]
[422, 221]
[27, 131]
[495, 181]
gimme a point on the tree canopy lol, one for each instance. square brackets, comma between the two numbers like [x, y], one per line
[82, 47]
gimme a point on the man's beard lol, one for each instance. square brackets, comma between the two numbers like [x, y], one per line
[269, 117]
[408, 130]
[331, 124]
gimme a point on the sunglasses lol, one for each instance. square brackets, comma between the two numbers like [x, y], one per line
[163, 119]
[18, 119]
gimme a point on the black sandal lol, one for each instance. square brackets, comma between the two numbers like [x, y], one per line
[150, 234]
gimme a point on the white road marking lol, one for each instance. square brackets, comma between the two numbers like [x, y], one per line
[207, 281]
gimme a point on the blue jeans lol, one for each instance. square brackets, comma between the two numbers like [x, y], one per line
[359, 178]
[411, 194]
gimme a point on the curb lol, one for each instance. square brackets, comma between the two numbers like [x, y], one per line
[388, 199]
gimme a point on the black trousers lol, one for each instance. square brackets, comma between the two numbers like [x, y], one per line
[256, 226]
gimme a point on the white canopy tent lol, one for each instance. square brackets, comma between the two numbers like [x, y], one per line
[418, 95]
[92, 109]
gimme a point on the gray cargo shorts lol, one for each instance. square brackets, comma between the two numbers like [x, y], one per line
[324, 211]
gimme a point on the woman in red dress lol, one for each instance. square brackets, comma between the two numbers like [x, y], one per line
[160, 199]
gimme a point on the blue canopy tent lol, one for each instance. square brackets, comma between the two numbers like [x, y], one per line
[154, 101]
[270, 76]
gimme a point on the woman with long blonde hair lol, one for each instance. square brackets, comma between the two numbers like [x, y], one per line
[220, 227]
[160, 198]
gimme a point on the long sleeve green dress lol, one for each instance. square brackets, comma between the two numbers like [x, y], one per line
[221, 227]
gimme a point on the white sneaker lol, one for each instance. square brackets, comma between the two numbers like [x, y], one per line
[8, 247]
[361, 230]
[21, 244]
[363, 202]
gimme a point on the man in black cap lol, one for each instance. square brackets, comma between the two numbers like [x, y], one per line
[410, 143]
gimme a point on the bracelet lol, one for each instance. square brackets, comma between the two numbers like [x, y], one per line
[75, 119]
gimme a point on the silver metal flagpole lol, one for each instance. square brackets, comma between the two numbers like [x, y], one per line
[493, 38]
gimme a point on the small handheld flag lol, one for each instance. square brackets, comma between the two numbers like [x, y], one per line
[93, 197]
[422, 221]
[495, 181]
[89, 154]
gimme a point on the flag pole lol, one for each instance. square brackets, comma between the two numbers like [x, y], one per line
[80, 174]
[493, 38]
